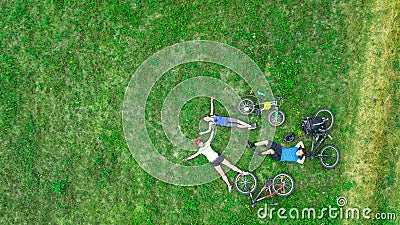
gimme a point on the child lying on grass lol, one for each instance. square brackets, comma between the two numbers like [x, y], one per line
[224, 121]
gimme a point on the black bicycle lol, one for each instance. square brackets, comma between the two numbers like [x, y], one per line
[281, 185]
[318, 126]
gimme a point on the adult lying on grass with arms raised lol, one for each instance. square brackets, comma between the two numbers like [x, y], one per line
[214, 159]
[278, 153]
[224, 121]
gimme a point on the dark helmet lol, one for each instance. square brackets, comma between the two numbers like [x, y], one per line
[289, 138]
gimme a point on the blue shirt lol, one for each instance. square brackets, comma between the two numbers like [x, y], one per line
[289, 154]
[219, 120]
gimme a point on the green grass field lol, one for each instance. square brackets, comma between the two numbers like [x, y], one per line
[65, 66]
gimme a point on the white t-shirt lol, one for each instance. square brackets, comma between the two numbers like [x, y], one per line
[208, 152]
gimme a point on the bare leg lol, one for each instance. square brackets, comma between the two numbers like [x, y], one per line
[233, 167]
[268, 152]
[241, 126]
[223, 175]
[262, 143]
[239, 122]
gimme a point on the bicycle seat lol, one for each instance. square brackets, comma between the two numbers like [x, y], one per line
[268, 182]
[260, 93]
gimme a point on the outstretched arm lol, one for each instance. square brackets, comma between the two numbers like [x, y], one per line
[207, 131]
[212, 106]
[208, 142]
[192, 156]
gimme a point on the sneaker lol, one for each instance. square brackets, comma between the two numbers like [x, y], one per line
[250, 144]
[230, 188]
[252, 127]
[257, 153]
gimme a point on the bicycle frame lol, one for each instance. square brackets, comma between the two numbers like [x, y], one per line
[314, 147]
[275, 104]
[264, 188]
[260, 103]
[255, 104]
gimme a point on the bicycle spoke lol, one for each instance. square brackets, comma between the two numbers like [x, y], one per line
[283, 184]
[327, 116]
[246, 184]
[288, 185]
[329, 156]
[276, 117]
[246, 106]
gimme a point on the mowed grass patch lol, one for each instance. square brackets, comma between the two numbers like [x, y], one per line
[374, 78]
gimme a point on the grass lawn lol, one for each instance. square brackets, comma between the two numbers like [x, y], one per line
[65, 66]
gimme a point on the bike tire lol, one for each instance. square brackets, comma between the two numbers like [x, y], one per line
[325, 151]
[246, 106]
[241, 181]
[287, 181]
[276, 122]
[332, 118]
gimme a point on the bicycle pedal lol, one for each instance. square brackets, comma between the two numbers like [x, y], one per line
[274, 204]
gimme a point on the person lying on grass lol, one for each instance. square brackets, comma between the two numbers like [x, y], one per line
[214, 159]
[224, 121]
[294, 154]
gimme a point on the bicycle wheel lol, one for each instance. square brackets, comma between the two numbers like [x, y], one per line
[275, 119]
[328, 115]
[245, 184]
[329, 156]
[246, 106]
[283, 184]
